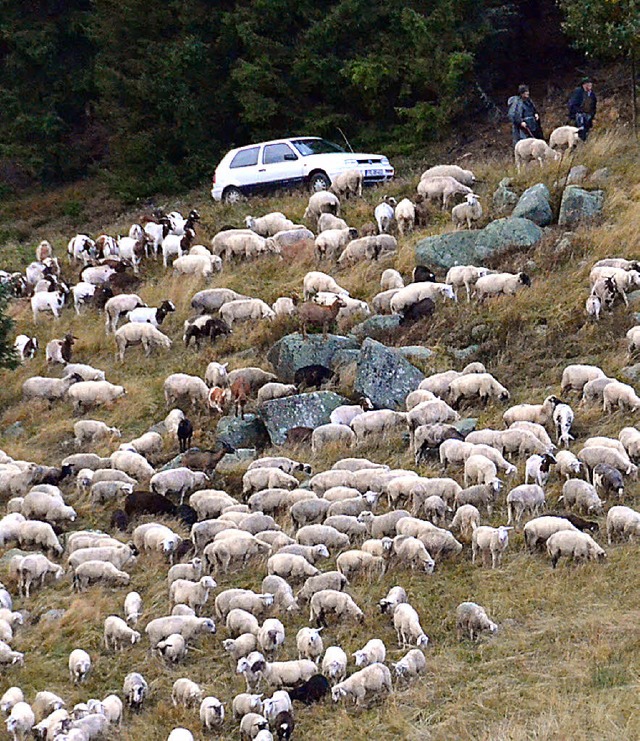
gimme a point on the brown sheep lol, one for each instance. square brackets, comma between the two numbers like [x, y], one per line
[312, 313]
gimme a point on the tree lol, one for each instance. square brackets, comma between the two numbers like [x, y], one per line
[607, 30]
[8, 357]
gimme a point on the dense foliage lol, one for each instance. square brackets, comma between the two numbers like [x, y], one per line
[7, 354]
[152, 93]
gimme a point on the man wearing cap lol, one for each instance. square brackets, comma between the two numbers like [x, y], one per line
[582, 107]
[523, 115]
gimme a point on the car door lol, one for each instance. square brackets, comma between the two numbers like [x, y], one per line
[279, 165]
[243, 169]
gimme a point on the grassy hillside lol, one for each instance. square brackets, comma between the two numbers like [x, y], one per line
[566, 662]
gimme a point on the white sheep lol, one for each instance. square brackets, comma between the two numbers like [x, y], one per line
[188, 626]
[103, 572]
[465, 275]
[134, 689]
[118, 307]
[472, 619]
[316, 281]
[415, 292]
[329, 221]
[331, 242]
[622, 522]
[133, 464]
[132, 607]
[11, 697]
[567, 464]
[347, 183]
[340, 604]
[117, 634]
[173, 648]
[269, 224]
[540, 529]
[581, 494]
[330, 434]
[9, 656]
[242, 310]
[146, 335]
[478, 469]
[406, 623]
[309, 644]
[489, 541]
[505, 284]
[79, 665]
[620, 395]
[362, 685]
[531, 150]
[539, 413]
[441, 188]
[466, 177]
[202, 265]
[412, 664]
[574, 377]
[405, 216]
[319, 203]
[244, 703]
[20, 721]
[466, 520]
[195, 594]
[211, 713]
[274, 390]
[52, 389]
[34, 532]
[177, 481]
[240, 243]
[186, 692]
[565, 138]
[95, 393]
[575, 545]
[526, 498]
[374, 651]
[467, 212]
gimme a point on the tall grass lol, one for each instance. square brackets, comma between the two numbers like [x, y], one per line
[566, 662]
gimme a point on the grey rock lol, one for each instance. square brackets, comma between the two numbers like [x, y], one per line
[505, 182]
[6, 557]
[173, 463]
[474, 247]
[293, 352]
[577, 174]
[343, 358]
[480, 331]
[632, 372]
[633, 297]
[378, 326]
[503, 197]
[579, 206]
[14, 430]
[51, 615]
[159, 427]
[249, 432]
[598, 177]
[534, 205]
[415, 352]
[466, 425]
[385, 376]
[465, 352]
[301, 410]
[237, 462]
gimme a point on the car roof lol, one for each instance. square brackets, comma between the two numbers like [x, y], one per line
[284, 140]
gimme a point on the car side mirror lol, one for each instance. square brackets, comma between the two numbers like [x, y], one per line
[290, 157]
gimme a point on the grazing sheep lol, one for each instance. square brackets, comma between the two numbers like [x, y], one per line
[466, 520]
[482, 385]
[620, 395]
[574, 545]
[331, 242]
[117, 634]
[332, 601]
[467, 212]
[347, 183]
[242, 310]
[374, 651]
[173, 648]
[134, 690]
[316, 281]
[526, 498]
[211, 713]
[329, 221]
[579, 493]
[472, 619]
[466, 177]
[622, 522]
[186, 692]
[79, 665]
[411, 665]
[441, 188]
[406, 623]
[140, 334]
[541, 414]
[489, 541]
[540, 529]
[531, 150]
[319, 203]
[565, 138]
[593, 455]
[574, 377]
[465, 275]
[188, 626]
[405, 216]
[103, 572]
[20, 721]
[505, 284]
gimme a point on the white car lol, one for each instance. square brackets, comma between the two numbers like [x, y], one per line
[284, 162]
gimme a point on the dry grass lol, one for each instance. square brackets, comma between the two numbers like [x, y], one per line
[566, 662]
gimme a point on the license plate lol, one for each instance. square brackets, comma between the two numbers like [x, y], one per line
[373, 173]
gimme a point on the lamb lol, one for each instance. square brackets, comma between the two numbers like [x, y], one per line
[582, 495]
[119, 306]
[173, 648]
[505, 284]
[472, 619]
[574, 545]
[79, 665]
[251, 725]
[52, 389]
[411, 665]
[193, 593]
[331, 242]
[593, 306]
[466, 177]
[185, 692]
[405, 216]
[574, 377]
[489, 541]
[466, 520]
[370, 681]
[530, 150]
[20, 721]
[316, 281]
[332, 601]
[188, 626]
[567, 464]
[441, 188]
[467, 212]
[374, 651]
[104, 572]
[540, 529]
[565, 138]
[250, 309]
[407, 626]
[140, 334]
[319, 203]
[537, 468]
[620, 395]
[134, 690]
[117, 634]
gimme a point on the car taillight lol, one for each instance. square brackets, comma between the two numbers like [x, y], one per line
[213, 182]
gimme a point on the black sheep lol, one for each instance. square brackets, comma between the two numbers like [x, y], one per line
[313, 690]
[185, 433]
[186, 514]
[420, 310]
[421, 274]
[148, 503]
[283, 725]
[608, 479]
[312, 376]
[119, 520]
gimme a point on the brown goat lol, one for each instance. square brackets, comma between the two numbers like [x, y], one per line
[240, 391]
[316, 314]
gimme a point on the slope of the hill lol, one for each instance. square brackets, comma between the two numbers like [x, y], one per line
[566, 661]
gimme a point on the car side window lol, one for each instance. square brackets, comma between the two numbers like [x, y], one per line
[245, 158]
[277, 153]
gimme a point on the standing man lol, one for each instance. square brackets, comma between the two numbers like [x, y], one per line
[523, 115]
[582, 107]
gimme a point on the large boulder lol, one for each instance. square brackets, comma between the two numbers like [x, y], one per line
[579, 206]
[474, 247]
[301, 410]
[293, 352]
[249, 432]
[385, 376]
[378, 326]
[503, 197]
[534, 205]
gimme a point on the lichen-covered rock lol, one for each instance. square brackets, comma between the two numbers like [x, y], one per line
[293, 352]
[474, 247]
[577, 174]
[504, 198]
[465, 352]
[579, 206]
[249, 432]
[534, 205]
[236, 463]
[415, 352]
[385, 376]
[377, 326]
[301, 410]
[466, 425]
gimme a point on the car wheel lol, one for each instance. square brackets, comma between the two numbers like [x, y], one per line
[319, 181]
[232, 195]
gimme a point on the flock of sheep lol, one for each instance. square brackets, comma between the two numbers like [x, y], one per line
[287, 521]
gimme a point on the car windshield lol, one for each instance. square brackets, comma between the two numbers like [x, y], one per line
[316, 146]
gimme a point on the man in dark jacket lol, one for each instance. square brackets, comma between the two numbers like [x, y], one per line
[523, 115]
[582, 107]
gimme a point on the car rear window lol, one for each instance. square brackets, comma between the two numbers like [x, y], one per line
[316, 146]
[276, 153]
[245, 158]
